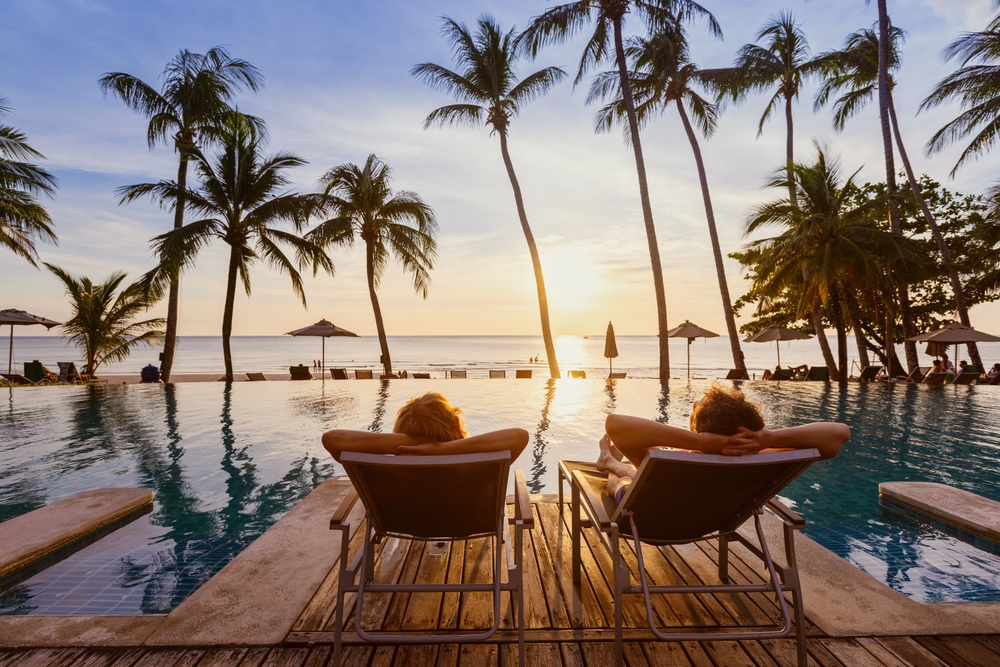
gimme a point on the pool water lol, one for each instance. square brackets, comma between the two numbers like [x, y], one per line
[226, 462]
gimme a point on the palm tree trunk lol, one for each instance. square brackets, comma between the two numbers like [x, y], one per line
[956, 283]
[647, 210]
[720, 270]
[790, 151]
[841, 327]
[859, 335]
[382, 341]
[816, 316]
[536, 262]
[909, 329]
[173, 297]
[227, 313]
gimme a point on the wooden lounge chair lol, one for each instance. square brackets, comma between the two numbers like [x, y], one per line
[684, 497]
[737, 374]
[388, 376]
[917, 374]
[458, 374]
[869, 373]
[68, 371]
[937, 378]
[300, 372]
[524, 374]
[578, 374]
[363, 375]
[966, 378]
[421, 376]
[257, 377]
[818, 373]
[338, 374]
[616, 376]
[432, 498]
[498, 375]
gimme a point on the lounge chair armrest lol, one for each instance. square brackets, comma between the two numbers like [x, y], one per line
[591, 498]
[345, 506]
[785, 513]
[522, 502]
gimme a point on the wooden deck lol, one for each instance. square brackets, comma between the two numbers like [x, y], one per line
[567, 624]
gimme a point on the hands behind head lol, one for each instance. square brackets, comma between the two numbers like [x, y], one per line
[418, 449]
[746, 441]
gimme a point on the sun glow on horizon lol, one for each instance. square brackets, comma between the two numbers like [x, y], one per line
[571, 279]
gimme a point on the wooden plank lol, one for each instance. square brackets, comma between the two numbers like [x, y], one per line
[416, 655]
[64, 657]
[884, 655]
[397, 607]
[128, 657]
[960, 651]
[169, 658]
[992, 642]
[90, 657]
[477, 655]
[558, 614]
[38, 657]
[447, 655]
[285, 657]
[759, 654]
[728, 653]
[634, 657]
[451, 602]
[669, 654]
[850, 652]
[384, 656]
[673, 610]
[539, 655]
[910, 652]
[675, 557]
[224, 657]
[571, 655]
[737, 605]
[424, 609]
[255, 657]
[536, 611]
[356, 656]
[603, 611]
[584, 610]
[477, 607]
[387, 569]
[598, 653]
[696, 653]
[784, 652]
[319, 656]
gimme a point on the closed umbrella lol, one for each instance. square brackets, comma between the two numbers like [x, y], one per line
[776, 333]
[610, 348]
[955, 334]
[324, 330]
[15, 317]
[690, 331]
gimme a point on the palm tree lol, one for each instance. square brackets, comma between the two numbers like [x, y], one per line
[196, 93]
[781, 65]
[827, 250]
[852, 73]
[23, 221]
[491, 94]
[662, 76]
[399, 225]
[239, 197]
[104, 321]
[560, 23]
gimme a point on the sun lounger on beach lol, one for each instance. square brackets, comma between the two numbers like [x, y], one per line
[498, 375]
[68, 372]
[869, 373]
[685, 497]
[257, 377]
[818, 373]
[439, 498]
[966, 378]
[917, 374]
[783, 374]
[338, 373]
[937, 378]
[388, 376]
[458, 374]
[300, 372]
[578, 374]
[524, 374]
[421, 376]
[737, 374]
[363, 375]
[616, 376]
[16, 379]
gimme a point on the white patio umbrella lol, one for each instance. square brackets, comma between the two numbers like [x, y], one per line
[955, 334]
[324, 330]
[15, 317]
[690, 331]
[777, 334]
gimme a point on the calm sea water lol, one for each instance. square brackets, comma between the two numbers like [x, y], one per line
[226, 462]
[710, 358]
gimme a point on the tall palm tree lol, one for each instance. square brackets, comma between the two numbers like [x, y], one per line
[852, 73]
[239, 197]
[197, 92]
[662, 76]
[781, 64]
[491, 94]
[828, 249]
[560, 23]
[105, 319]
[23, 220]
[399, 225]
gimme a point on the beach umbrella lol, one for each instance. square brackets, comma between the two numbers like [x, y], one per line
[324, 330]
[690, 331]
[776, 333]
[15, 317]
[610, 347]
[955, 334]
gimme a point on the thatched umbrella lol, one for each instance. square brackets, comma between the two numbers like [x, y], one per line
[690, 331]
[776, 333]
[15, 317]
[610, 347]
[955, 334]
[323, 329]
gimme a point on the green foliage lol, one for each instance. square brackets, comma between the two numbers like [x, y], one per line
[23, 220]
[104, 321]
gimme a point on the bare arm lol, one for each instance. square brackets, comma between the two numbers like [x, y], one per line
[634, 436]
[827, 437]
[508, 439]
[365, 442]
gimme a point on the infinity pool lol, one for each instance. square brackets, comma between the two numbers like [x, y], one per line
[226, 463]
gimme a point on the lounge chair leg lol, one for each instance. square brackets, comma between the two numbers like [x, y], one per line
[575, 511]
[723, 558]
[369, 568]
[617, 565]
[338, 625]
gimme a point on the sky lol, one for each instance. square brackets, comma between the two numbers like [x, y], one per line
[338, 88]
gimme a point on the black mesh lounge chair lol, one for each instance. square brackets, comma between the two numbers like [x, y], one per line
[68, 372]
[820, 373]
[937, 378]
[256, 377]
[338, 373]
[966, 378]
[432, 498]
[737, 374]
[15, 379]
[718, 494]
[783, 374]
[869, 373]
[300, 372]
[918, 373]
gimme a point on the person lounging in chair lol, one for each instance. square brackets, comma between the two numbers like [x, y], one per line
[722, 422]
[427, 424]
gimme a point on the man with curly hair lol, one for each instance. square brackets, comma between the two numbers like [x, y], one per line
[723, 422]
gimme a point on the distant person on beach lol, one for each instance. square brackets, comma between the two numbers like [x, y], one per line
[936, 366]
[946, 365]
[962, 366]
[427, 424]
[994, 372]
[722, 422]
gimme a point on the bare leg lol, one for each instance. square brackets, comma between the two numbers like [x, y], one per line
[607, 462]
[615, 482]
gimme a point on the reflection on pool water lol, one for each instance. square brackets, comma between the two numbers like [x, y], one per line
[226, 463]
